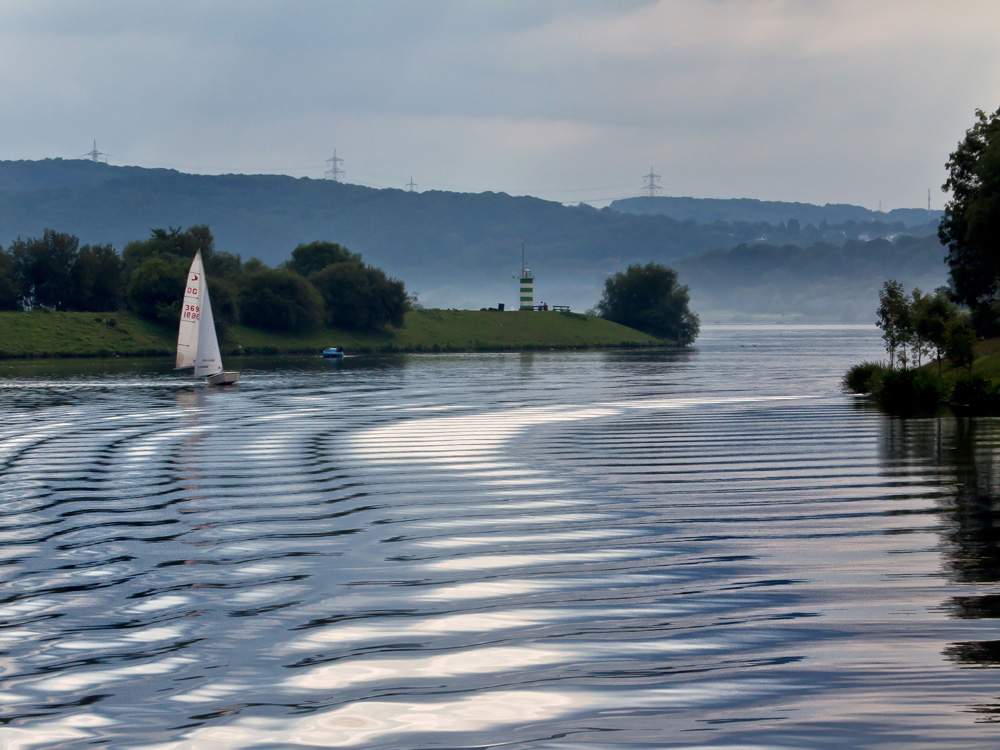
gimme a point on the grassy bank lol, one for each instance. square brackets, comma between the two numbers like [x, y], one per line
[74, 334]
[972, 391]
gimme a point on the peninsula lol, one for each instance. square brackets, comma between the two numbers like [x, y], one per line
[41, 333]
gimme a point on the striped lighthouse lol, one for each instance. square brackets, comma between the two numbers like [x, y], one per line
[527, 285]
[527, 290]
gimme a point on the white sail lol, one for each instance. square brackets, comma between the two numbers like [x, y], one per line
[208, 360]
[187, 335]
[197, 344]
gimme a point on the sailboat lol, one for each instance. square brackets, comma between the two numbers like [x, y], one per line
[197, 344]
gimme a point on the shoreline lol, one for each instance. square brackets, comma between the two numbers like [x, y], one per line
[38, 335]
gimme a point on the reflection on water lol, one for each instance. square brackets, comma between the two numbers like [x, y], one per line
[707, 548]
[966, 452]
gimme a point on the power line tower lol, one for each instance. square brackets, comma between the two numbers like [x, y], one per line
[650, 188]
[334, 172]
[95, 155]
[411, 186]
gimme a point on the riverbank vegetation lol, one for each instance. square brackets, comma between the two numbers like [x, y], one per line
[64, 300]
[918, 328]
[649, 298]
[949, 324]
[969, 388]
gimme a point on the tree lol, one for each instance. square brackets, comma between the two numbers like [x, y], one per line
[309, 259]
[171, 251]
[279, 300]
[649, 298]
[346, 294]
[43, 269]
[156, 289]
[56, 273]
[98, 283]
[934, 318]
[359, 296]
[171, 245]
[388, 299]
[893, 317]
[971, 224]
[9, 292]
[920, 346]
[252, 266]
[175, 246]
[961, 342]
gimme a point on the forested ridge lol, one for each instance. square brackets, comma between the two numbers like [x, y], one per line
[736, 210]
[452, 249]
[824, 282]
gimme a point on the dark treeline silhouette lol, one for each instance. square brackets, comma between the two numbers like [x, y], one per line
[323, 283]
[55, 272]
[971, 226]
[834, 217]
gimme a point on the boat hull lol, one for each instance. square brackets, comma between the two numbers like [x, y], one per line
[227, 377]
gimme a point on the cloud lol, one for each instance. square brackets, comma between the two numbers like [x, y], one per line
[833, 100]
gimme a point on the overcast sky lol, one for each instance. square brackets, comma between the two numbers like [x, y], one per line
[837, 101]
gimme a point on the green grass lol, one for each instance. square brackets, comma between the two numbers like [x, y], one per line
[923, 389]
[76, 334]
[985, 364]
[987, 359]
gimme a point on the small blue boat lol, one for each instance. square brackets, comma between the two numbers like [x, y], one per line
[333, 352]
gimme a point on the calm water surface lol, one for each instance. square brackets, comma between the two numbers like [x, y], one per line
[712, 548]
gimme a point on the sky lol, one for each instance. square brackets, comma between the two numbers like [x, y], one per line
[818, 101]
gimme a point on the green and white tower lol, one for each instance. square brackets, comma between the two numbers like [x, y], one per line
[527, 290]
[527, 285]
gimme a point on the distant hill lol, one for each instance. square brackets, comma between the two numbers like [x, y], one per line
[735, 210]
[814, 284]
[454, 249]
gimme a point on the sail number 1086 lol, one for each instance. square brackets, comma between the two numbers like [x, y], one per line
[191, 312]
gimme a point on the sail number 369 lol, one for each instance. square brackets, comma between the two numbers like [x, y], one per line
[191, 312]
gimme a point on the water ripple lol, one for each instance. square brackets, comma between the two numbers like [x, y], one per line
[536, 550]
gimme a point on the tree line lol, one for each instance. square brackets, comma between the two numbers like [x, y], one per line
[915, 326]
[323, 283]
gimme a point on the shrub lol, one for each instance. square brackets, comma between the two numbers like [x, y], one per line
[975, 394]
[279, 300]
[358, 296]
[906, 392]
[156, 289]
[861, 378]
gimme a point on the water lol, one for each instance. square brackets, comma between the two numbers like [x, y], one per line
[709, 548]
